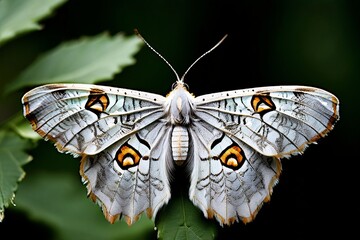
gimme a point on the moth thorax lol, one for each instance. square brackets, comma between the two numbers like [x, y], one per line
[179, 144]
[180, 105]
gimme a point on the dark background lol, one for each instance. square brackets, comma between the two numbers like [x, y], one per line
[313, 43]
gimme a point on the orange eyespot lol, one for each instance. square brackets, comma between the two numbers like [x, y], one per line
[127, 157]
[232, 157]
[97, 102]
[262, 104]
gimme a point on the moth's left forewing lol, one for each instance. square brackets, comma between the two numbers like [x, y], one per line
[85, 119]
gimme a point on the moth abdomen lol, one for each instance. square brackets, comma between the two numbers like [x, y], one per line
[179, 144]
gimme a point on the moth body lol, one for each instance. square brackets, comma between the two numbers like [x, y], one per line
[180, 109]
[179, 144]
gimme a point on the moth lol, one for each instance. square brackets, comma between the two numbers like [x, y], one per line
[129, 141]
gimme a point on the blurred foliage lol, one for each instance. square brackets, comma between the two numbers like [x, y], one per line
[179, 220]
[59, 202]
[13, 157]
[302, 42]
[87, 60]
[18, 16]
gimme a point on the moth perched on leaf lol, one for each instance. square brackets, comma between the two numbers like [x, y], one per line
[130, 140]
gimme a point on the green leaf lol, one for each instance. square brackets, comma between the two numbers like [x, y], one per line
[12, 158]
[88, 60]
[19, 16]
[21, 126]
[24, 129]
[182, 220]
[59, 200]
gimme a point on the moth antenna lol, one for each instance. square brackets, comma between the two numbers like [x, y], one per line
[204, 54]
[143, 39]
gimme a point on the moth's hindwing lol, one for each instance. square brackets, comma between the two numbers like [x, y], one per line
[116, 131]
[230, 180]
[130, 176]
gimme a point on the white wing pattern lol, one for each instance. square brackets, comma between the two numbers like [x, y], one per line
[241, 137]
[108, 128]
[231, 141]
